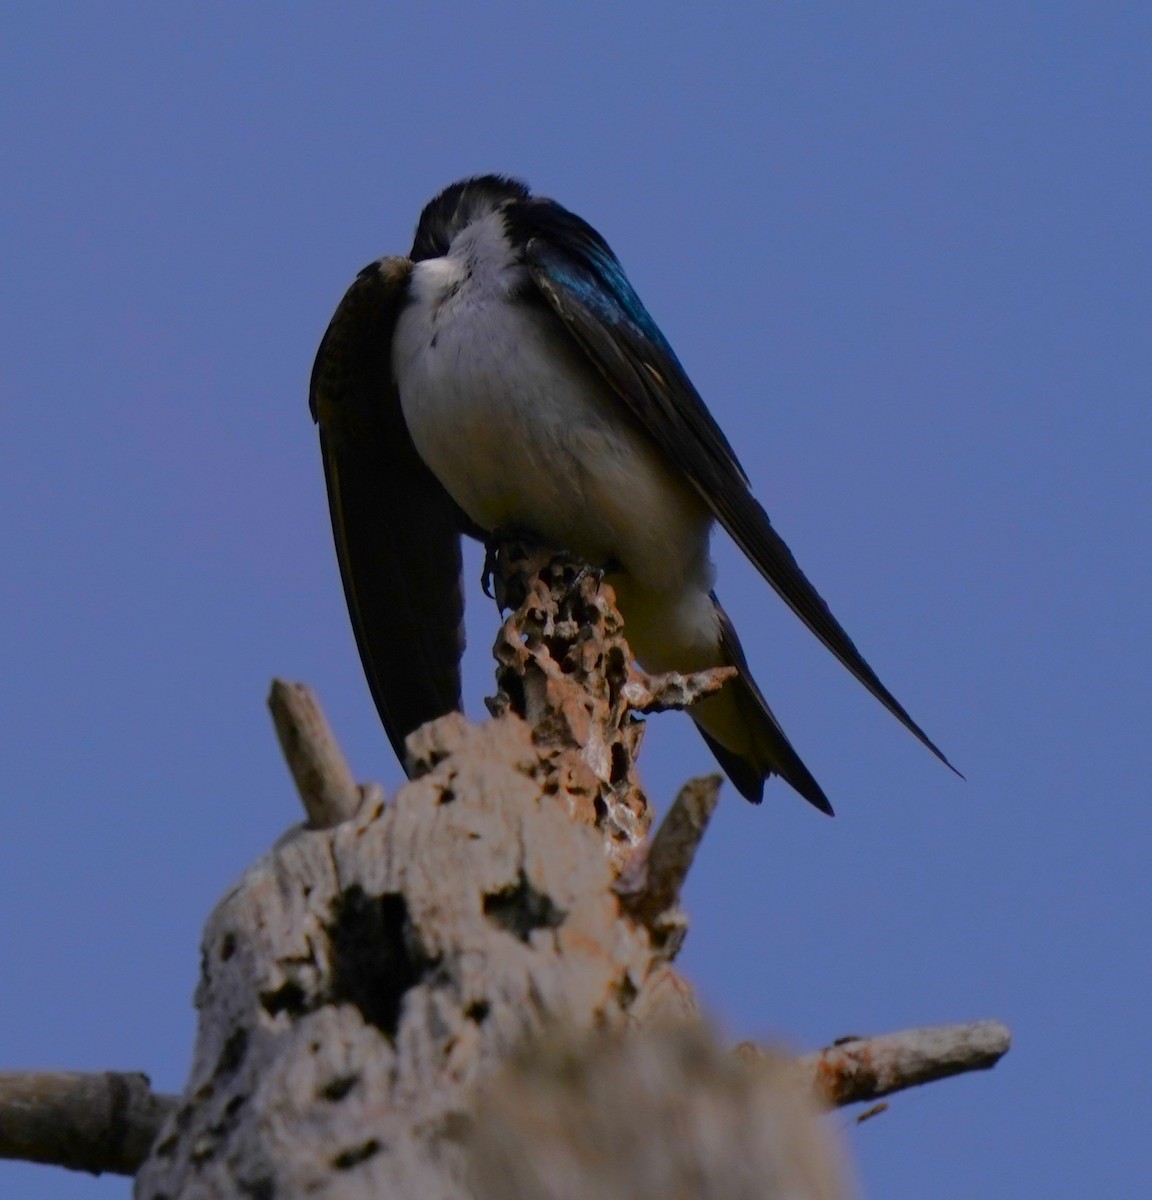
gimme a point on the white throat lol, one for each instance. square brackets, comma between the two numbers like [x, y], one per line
[480, 262]
[520, 427]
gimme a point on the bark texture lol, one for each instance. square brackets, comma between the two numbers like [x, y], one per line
[88, 1121]
[364, 979]
[859, 1069]
[465, 990]
[361, 980]
[108, 1121]
[564, 666]
[660, 1113]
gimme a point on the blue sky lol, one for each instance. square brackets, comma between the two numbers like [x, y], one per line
[903, 251]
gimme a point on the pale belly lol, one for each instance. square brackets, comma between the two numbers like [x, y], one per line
[523, 433]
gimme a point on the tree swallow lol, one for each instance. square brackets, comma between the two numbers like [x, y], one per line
[505, 376]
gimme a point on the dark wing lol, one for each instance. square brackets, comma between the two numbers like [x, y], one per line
[397, 530]
[582, 280]
[783, 760]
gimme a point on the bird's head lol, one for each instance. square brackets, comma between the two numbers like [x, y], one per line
[457, 206]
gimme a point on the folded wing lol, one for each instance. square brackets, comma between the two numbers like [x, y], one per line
[581, 279]
[397, 531]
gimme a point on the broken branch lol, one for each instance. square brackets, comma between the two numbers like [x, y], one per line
[99, 1121]
[319, 769]
[856, 1070]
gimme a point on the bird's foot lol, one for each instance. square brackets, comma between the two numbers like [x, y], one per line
[597, 572]
[491, 558]
[503, 547]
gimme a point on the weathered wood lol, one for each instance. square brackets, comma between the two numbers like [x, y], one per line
[360, 980]
[650, 882]
[106, 1122]
[93, 1122]
[465, 991]
[563, 665]
[854, 1070]
[323, 779]
[659, 1113]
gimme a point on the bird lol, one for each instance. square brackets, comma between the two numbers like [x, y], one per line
[506, 376]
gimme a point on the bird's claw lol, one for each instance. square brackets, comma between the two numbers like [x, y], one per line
[587, 571]
[491, 558]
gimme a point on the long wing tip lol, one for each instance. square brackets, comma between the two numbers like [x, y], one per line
[955, 771]
[927, 741]
[749, 779]
[820, 802]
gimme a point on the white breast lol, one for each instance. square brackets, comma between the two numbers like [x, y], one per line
[520, 428]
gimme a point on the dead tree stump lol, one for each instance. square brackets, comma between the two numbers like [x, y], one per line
[363, 979]
[465, 990]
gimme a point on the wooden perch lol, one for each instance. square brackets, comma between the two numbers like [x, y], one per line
[319, 769]
[649, 885]
[466, 991]
[106, 1122]
[854, 1070]
[90, 1122]
[361, 979]
[563, 665]
[659, 1113]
